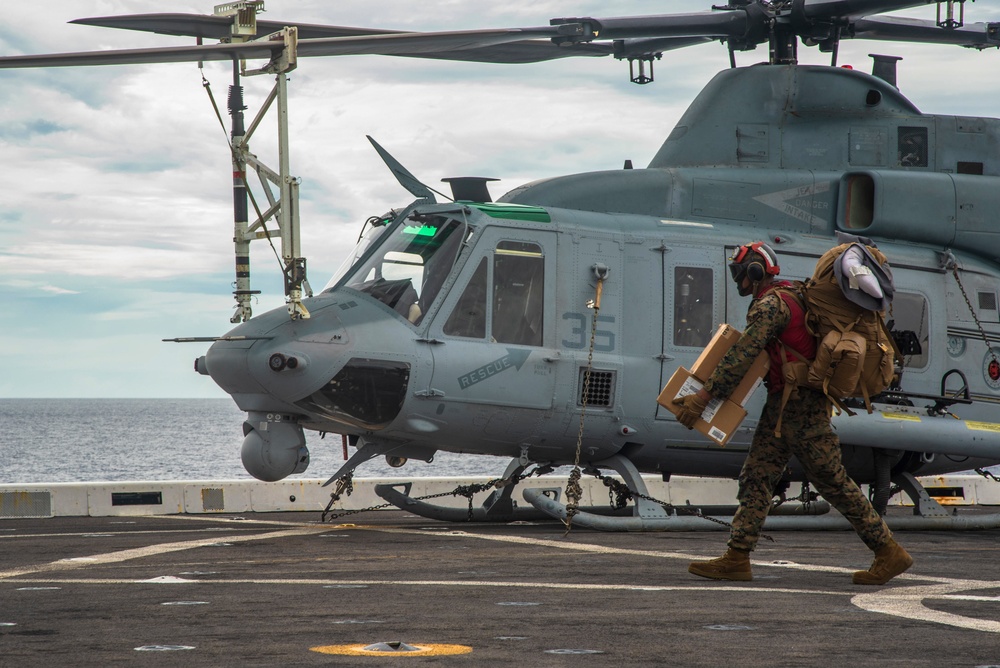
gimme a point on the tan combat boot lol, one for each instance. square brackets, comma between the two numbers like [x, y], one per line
[733, 565]
[890, 561]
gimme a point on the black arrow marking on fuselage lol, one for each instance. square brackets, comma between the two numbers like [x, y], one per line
[514, 358]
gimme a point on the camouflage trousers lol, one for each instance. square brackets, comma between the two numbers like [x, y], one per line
[806, 434]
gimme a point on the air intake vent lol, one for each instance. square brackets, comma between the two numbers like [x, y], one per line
[601, 391]
[987, 301]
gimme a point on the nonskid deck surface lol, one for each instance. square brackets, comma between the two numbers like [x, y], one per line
[283, 589]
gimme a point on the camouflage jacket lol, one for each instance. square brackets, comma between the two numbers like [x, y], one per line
[767, 317]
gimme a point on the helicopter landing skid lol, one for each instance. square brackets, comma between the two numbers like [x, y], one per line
[928, 514]
[646, 515]
[497, 507]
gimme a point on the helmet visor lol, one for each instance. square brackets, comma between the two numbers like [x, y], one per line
[738, 271]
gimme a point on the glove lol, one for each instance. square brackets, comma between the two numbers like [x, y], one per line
[691, 407]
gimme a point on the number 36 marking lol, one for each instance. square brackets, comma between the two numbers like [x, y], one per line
[604, 340]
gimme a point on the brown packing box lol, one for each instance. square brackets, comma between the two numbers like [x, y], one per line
[724, 339]
[720, 419]
[751, 381]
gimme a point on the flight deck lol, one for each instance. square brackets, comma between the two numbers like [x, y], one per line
[285, 589]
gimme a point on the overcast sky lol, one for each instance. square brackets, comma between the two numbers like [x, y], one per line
[115, 182]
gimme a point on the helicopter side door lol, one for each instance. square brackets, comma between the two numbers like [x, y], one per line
[691, 307]
[490, 340]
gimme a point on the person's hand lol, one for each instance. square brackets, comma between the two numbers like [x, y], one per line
[691, 408]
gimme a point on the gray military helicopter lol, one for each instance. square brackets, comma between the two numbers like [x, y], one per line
[541, 326]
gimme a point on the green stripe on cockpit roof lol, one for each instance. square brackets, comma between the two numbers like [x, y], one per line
[534, 214]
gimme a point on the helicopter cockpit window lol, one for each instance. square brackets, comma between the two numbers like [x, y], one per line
[912, 147]
[410, 264]
[909, 326]
[692, 306]
[518, 291]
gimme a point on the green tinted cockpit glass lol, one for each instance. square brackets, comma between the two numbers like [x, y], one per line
[408, 263]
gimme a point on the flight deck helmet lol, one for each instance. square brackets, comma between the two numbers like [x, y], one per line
[754, 261]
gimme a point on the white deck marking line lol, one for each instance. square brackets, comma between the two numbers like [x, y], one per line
[585, 586]
[77, 534]
[602, 549]
[908, 602]
[148, 551]
[582, 547]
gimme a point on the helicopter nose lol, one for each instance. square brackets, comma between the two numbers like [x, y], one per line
[348, 367]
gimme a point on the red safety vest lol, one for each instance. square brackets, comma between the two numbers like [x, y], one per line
[795, 337]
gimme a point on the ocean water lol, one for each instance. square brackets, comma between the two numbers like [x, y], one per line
[87, 440]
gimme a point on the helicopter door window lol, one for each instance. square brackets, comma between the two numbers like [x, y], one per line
[909, 326]
[518, 290]
[409, 264]
[912, 147]
[469, 317]
[692, 306]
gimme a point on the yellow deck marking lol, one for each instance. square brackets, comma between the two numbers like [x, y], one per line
[421, 650]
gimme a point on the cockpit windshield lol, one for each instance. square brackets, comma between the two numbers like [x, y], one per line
[410, 263]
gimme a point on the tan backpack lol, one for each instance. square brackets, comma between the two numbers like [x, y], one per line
[855, 354]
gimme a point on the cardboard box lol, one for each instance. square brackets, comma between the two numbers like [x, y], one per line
[724, 339]
[720, 419]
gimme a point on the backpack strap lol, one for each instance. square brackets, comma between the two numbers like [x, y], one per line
[792, 383]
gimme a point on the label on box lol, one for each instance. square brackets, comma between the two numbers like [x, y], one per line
[691, 386]
[717, 434]
[711, 409]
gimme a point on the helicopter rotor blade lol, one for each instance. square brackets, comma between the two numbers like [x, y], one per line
[855, 9]
[217, 27]
[895, 29]
[573, 37]
[715, 25]
[399, 44]
[744, 24]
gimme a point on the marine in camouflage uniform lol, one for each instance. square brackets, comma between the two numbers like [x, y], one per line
[805, 433]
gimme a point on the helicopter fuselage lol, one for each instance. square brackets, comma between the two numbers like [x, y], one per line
[470, 327]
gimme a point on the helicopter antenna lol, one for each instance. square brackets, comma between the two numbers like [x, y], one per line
[415, 186]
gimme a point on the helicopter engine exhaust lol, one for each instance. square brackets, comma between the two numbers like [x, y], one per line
[274, 447]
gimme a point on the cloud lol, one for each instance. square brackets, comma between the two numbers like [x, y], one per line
[57, 290]
[116, 208]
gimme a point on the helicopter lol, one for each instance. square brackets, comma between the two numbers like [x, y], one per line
[541, 326]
